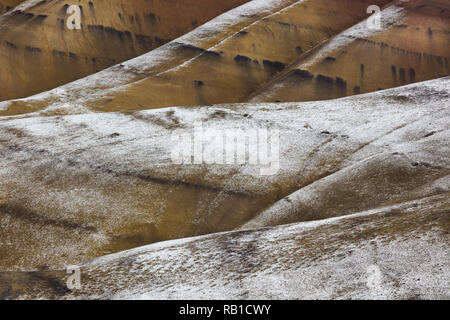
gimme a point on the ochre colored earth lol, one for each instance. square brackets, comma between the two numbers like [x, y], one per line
[39, 52]
[7, 5]
[89, 120]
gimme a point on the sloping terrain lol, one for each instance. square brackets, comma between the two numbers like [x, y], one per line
[412, 46]
[7, 5]
[395, 252]
[223, 61]
[283, 149]
[76, 187]
[249, 47]
[39, 52]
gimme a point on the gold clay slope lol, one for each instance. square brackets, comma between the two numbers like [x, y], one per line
[222, 61]
[411, 45]
[77, 187]
[44, 44]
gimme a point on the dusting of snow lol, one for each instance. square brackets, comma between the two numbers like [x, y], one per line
[233, 17]
[391, 16]
[277, 263]
[77, 94]
[66, 166]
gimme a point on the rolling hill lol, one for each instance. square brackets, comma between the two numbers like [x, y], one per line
[39, 52]
[262, 149]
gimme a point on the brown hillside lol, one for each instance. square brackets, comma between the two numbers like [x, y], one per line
[38, 52]
[414, 46]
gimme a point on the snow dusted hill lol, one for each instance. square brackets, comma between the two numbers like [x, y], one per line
[329, 259]
[7, 5]
[262, 51]
[411, 45]
[38, 51]
[346, 199]
[73, 188]
[75, 97]
[395, 252]
[222, 61]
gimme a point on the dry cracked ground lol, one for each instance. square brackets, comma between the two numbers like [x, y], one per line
[352, 202]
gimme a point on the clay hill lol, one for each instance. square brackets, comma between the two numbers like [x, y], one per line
[39, 52]
[75, 188]
[7, 5]
[260, 48]
[360, 182]
[247, 46]
[413, 46]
